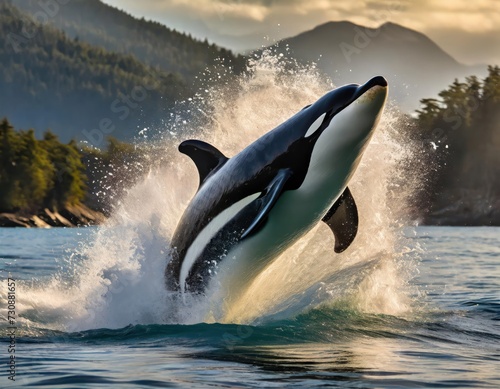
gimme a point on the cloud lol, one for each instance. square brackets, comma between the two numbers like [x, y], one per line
[476, 16]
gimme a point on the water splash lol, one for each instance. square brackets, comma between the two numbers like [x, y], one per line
[121, 280]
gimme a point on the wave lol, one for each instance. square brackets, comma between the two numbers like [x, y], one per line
[326, 324]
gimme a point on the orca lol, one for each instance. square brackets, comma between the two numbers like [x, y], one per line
[250, 208]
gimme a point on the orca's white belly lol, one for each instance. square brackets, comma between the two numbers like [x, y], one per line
[295, 213]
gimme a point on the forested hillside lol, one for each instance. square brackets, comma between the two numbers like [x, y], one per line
[461, 131]
[58, 80]
[153, 43]
[52, 81]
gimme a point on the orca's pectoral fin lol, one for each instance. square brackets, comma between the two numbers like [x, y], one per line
[268, 199]
[205, 156]
[342, 218]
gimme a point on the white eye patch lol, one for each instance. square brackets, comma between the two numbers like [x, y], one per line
[315, 126]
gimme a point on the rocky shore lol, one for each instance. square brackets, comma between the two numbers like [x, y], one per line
[71, 216]
[80, 216]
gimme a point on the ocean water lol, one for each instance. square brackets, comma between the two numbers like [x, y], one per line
[401, 307]
[451, 337]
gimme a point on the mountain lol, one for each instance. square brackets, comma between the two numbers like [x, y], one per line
[102, 25]
[414, 65]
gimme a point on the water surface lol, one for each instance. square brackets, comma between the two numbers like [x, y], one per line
[450, 339]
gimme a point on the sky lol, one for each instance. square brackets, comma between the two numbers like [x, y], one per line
[468, 30]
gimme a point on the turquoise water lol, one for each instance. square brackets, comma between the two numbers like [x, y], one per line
[449, 338]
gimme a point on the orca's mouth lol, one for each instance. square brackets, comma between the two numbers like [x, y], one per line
[360, 90]
[375, 81]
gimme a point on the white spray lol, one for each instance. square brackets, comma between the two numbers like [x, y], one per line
[121, 281]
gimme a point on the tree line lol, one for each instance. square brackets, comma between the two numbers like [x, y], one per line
[460, 130]
[47, 173]
[38, 173]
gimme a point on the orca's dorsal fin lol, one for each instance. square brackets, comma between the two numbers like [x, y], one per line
[342, 218]
[205, 156]
[268, 199]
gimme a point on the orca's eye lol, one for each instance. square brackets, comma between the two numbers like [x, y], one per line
[315, 126]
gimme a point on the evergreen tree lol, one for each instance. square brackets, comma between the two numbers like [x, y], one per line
[69, 178]
[8, 150]
[34, 173]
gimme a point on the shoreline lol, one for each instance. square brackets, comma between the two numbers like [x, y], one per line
[71, 216]
[75, 216]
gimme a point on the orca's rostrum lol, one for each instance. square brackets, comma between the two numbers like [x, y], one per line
[250, 208]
